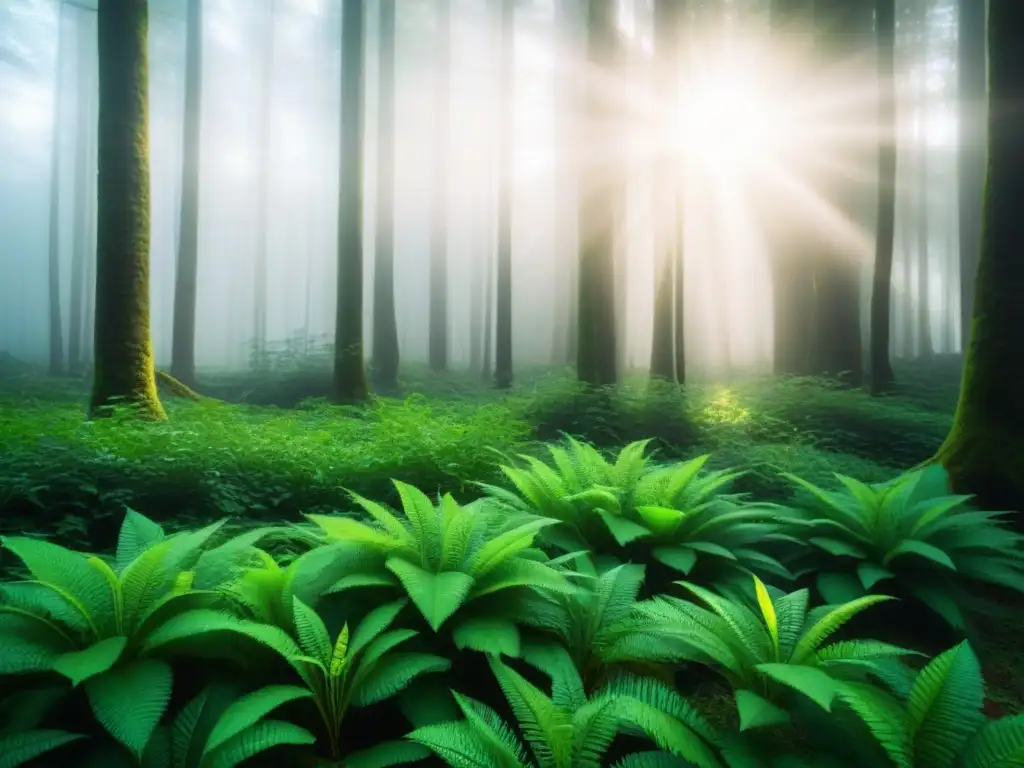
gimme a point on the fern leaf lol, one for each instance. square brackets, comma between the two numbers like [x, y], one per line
[506, 545]
[487, 634]
[312, 634]
[137, 532]
[250, 709]
[128, 701]
[394, 673]
[24, 746]
[79, 666]
[681, 559]
[425, 522]
[810, 681]
[594, 727]
[373, 624]
[1000, 744]
[539, 719]
[258, 738]
[653, 759]
[835, 618]
[386, 754]
[757, 712]
[460, 746]
[437, 595]
[491, 729]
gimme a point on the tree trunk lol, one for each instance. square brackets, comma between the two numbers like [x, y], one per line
[85, 189]
[488, 318]
[438, 347]
[909, 304]
[183, 346]
[984, 452]
[503, 330]
[385, 323]
[349, 374]
[56, 326]
[598, 201]
[926, 347]
[882, 375]
[792, 269]
[123, 371]
[667, 30]
[971, 157]
[263, 191]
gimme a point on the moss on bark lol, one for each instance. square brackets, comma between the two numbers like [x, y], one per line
[123, 355]
[984, 452]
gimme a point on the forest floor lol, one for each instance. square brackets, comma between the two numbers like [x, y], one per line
[268, 448]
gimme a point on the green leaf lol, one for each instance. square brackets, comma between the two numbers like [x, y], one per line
[921, 549]
[129, 701]
[871, 573]
[79, 666]
[838, 588]
[437, 595]
[386, 754]
[622, 530]
[681, 559]
[810, 681]
[662, 521]
[1000, 744]
[489, 635]
[137, 533]
[394, 673]
[313, 637]
[838, 547]
[19, 748]
[757, 712]
[262, 736]
[250, 709]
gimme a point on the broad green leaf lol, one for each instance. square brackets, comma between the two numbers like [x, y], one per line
[622, 530]
[871, 573]
[838, 547]
[921, 549]
[489, 635]
[999, 744]
[250, 709]
[386, 754]
[137, 533]
[24, 746]
[757, 712]
[129, 701]
[681, 559]
[79, 666]
[764, 602]
[437, 595]
[810, 681]
[262, 736]
[394, 673]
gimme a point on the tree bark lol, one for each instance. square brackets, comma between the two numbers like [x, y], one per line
[183, 353]
[122, 347]
[971, 157]
[882, 375]
[263, 191]
[503, 301]
[53, 272]
[598, 201]
[984, 452]
[349, 374]
[438, 346]
[85, 190]
[385, 323]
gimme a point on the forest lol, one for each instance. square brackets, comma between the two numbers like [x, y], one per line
[511, 383]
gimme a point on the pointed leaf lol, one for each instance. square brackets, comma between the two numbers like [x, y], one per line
[437, 595]
[79, 666]
[129, 701]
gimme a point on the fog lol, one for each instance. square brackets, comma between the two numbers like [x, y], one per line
[297, 57]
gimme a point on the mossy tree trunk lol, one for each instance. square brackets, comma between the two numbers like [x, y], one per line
[53, 271]
[385, 324]
[599, 179]
[984, 452]
[183, 343]
[349, 373]
[438, 315]
[882, 375]
[123, 352]
[971, 75]
[503, 299]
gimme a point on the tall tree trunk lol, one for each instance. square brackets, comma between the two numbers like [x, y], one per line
[438, 347]
[56, 326]
[793, 315]
[971, 153]
[263, 189]
[85, 189]
[926, 345]
[984, 451]
[839, 348]
[349, 374]
[598, 200]
[488, 318]
[183, 345]
[909, 303]
[951, 289]
[385, 323]
[503, 329]
[668, 21]
[123, 371]
[881, 285]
